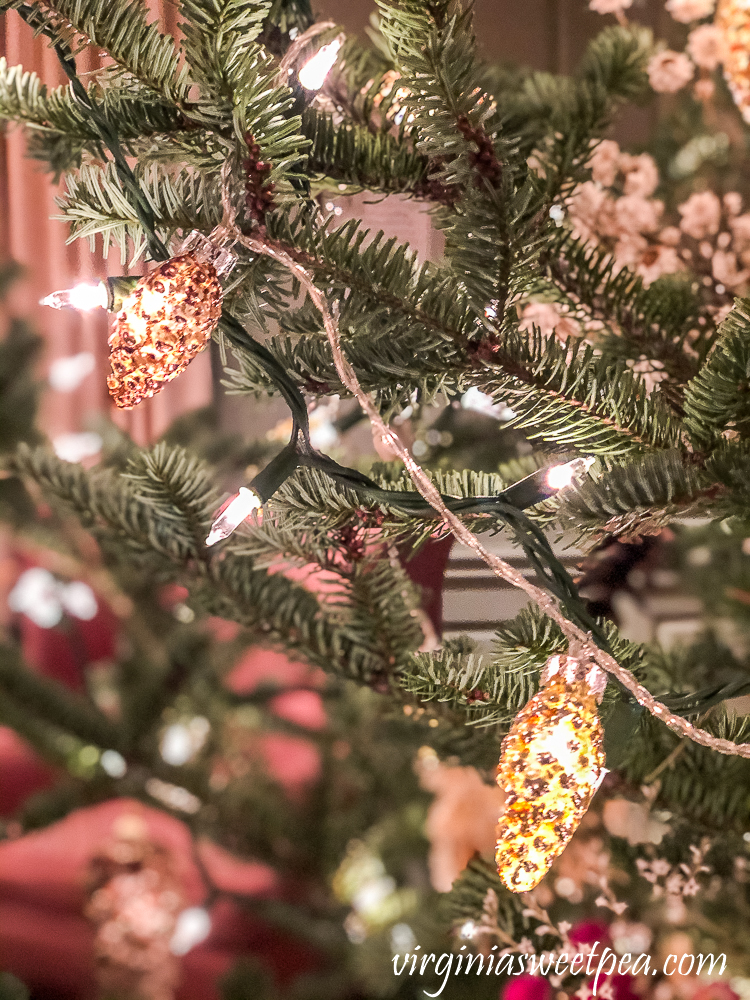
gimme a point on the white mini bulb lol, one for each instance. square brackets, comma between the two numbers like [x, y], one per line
[369, 897]
[36, 595]
[313, 74]
[233, 515]
[84, 297]
[113, 764]
[79, 600]
[176, 746]
[193, 926]
[560, 476]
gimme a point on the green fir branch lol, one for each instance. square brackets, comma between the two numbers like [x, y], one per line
[699, 785]
[422, 334]
[19, 391]
[48, 700]
[568, 394]
[219, 37]
[59, 131]
[96, 203]
[155, 517]
[123, 29]
[717, 400]
[640, 496]
[653, 321]
[556, 117]
[491, 691]
[351, 154]
[457, 128]
[504, 910]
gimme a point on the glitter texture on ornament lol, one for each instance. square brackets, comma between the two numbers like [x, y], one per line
[733, 20]
[166, 321]
[135, 898]
[551, 764]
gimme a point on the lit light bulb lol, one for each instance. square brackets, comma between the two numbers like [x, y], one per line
[113, 764]
[193, 926]
[79, 600]
[176, 746]
[560, 476]
[313, 74]
[369, 897]
[84, 297]
[36, 595]
[181, 741]
[233, 515]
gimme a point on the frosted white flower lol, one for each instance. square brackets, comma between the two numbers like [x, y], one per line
[669, 71]
[686, 11]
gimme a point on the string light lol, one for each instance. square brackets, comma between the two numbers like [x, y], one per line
[313, 74]
[113, 764]
[181, 741]
[551, 764]
[42, 598]
[239, 508]
[193, 926]
[560, 476]
[84, 297]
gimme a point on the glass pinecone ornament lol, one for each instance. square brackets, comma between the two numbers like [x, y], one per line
[134, 901]
[166, 320]
[733, 20]
[551, 763]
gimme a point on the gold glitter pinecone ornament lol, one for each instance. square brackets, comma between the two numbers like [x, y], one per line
[733, 20]
[551, 763]
[166, 320]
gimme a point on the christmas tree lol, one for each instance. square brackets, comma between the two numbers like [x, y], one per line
[596, 329]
